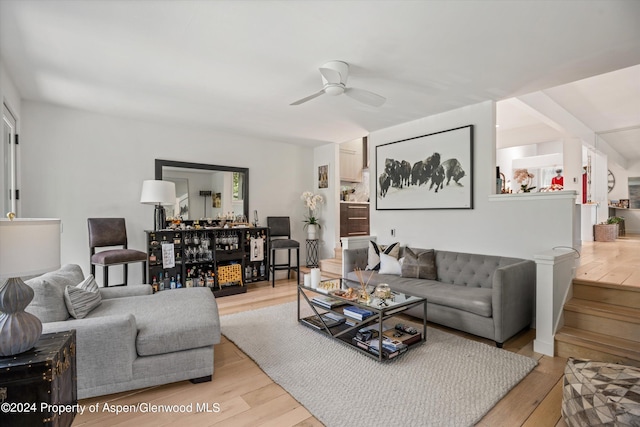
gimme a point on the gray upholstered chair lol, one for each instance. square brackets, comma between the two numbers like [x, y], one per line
[110, 232]
[280, 232]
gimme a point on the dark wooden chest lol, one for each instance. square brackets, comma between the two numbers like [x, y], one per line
[38, 387]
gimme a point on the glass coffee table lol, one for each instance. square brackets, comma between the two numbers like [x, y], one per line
[365, 323]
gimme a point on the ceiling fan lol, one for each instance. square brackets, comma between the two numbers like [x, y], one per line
[334, 79]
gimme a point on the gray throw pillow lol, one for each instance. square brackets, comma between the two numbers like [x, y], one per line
[48, 300]
[83, 298]
[420, 264]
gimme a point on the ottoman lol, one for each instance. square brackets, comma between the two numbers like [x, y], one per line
[602, 394]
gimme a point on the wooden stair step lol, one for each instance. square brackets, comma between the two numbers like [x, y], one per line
[601, 309]
[602, 318]
[578, 343]
[612, 293]
[331, 266]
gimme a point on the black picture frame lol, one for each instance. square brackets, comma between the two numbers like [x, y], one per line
[433, 171]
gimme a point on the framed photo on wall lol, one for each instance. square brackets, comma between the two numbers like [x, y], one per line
[432, 171]
[323, 176]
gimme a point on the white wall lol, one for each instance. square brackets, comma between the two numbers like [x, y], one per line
[330, 211]
[77, 165]
[501, 225]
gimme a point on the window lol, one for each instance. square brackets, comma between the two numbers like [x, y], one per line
[8, 180]
[238, 185]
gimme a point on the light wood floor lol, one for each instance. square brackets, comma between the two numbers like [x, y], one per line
[248, 397]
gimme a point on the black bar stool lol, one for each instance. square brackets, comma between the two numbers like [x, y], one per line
[280, 232]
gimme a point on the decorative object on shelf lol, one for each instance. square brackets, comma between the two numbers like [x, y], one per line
[29, 247]
[158, 193]
[364, 293]
[311, 202]
[315, 277]
[383, 293]
[523, 177]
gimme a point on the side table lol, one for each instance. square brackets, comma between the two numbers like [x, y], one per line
[38, 387]
[312, 252]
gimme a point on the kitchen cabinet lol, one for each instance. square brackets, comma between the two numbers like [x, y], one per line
[354, 219]
[351, 159]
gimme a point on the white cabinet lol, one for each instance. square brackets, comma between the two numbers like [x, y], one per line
[351, 161]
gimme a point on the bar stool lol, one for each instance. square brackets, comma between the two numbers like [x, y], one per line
[104, 232]
[280, 232]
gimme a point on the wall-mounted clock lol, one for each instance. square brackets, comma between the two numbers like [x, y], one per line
[611, 181]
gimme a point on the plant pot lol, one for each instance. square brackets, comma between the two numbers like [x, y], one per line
[312, 231]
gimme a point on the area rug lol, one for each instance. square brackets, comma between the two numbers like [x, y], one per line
[447, 381]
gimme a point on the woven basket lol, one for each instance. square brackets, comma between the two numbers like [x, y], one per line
[605, 232]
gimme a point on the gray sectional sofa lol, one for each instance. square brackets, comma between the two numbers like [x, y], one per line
[133, 338]
[489, 296]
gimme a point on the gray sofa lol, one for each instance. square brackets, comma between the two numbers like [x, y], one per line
[133, 338]
[489, 296]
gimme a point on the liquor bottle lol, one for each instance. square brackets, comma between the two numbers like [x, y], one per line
[172, 283]
[178, 282]
[167, 281]
[255, 271]
[160, 282]
[210, 281]
[154, 284]
[262, 269]
[247, 272]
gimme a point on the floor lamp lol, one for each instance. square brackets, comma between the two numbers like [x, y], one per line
[28, 247]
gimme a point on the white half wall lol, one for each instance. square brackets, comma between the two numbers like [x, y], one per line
[77, 165]
[498, 225]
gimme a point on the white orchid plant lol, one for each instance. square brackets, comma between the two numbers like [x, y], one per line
[311, 202]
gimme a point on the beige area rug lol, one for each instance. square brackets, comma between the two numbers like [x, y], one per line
[447, 381]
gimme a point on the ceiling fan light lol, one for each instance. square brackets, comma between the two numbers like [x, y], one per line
[334, 89]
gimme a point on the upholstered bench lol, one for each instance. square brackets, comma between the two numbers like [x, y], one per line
[598, 393]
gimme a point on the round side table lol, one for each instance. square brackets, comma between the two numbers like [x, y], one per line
[312, 252]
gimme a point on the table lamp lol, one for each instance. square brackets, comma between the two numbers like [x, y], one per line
[28, 247]
[158, 193]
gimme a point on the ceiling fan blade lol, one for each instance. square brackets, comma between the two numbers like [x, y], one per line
[308, 98]
[365, 96]
[330, 75]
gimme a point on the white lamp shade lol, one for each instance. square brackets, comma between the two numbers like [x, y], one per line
[29, 247]
[156, 192]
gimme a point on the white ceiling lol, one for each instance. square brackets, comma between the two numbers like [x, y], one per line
[237, 65]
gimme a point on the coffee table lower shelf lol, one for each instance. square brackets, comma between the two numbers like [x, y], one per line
[347, 334]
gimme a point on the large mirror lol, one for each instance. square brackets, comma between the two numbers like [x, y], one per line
[205, 191]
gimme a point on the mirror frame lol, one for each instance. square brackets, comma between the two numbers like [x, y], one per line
[159, 164]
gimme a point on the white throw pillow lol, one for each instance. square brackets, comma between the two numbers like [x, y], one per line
[82, 298]
[389, 265]
[373, 259]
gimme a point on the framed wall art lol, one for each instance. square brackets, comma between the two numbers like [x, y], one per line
[323, 176]
[432, 171]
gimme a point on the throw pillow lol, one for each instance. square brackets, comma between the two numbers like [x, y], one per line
[419, 264]
[48, 300]
[389, 265]
[373, 262]
[82, 298]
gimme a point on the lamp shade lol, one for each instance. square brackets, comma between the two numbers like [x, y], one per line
[29, 247]
[156, 192]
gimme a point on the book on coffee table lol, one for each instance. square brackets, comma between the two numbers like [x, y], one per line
[317, 324]
[405, 338]
[328, 301]
[356, 312]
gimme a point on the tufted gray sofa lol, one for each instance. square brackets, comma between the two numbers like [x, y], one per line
[489, 296]
[134, 338]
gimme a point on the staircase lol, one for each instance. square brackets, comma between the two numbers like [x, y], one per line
[601, 322]
[331, 268]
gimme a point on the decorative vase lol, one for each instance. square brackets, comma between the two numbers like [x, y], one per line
[311, 231]
[19, 330]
